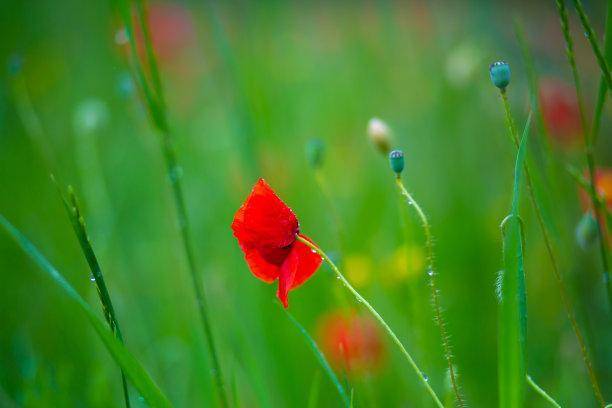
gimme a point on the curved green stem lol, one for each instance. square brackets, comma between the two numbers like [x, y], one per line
[567, 304]
[435, 293]
[378, 317]
[543, 393]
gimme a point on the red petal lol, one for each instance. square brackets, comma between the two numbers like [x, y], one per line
[309, 262]
[286, 277]
[261, 268]
[265, 221]
[299, 265]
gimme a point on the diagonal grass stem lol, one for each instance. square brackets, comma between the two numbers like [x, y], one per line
[377, 316]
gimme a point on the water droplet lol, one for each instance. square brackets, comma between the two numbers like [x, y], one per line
[141, 399]
[425, 377]
[313, 251]
[91, 278]
[430, 272]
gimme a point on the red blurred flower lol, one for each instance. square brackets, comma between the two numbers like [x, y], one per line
[560, 110]
[267, 232]
[172, 31]
[351, 342]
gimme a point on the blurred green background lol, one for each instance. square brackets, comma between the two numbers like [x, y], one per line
[248, 85]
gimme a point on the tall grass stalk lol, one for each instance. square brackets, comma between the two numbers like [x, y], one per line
[130, 366]
[588, 140]
[603, 85]
[565, 299]
[78, 225]
[321, 358]
[435, 293]
[592, 38]
[543, 393]
[152, 90]
[377, 316]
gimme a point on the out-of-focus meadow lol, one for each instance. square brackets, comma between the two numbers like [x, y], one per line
[248, 85]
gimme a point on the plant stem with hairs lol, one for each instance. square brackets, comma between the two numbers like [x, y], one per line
[378, 317]
[569, 310]
[435, 293]
[154, 97]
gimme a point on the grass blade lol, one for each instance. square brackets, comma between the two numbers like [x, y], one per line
[512, 311]
[155, 101]
[592, 38]
[543, 393]
[78, 225]
[360, 299]
[603, 86]
[321, 357]
[132, 368]
[588, 140]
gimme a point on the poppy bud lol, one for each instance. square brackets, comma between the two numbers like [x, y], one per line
[500, 74]
[396, 161]
[586, 231]
[315, 148]
[379, 134]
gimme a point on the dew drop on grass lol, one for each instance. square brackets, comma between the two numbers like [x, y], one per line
[430, 272]
[92, 278]
[425, 377]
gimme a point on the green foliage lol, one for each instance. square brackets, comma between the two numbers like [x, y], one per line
[132, 368]
[512, 310]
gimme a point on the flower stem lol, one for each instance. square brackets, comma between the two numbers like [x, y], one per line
[378, 317]
[543, 393]
[569, 310]
[152, 91]
[435, 293]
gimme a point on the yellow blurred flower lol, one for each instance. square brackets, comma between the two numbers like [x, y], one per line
[406, 263]
[359, 269]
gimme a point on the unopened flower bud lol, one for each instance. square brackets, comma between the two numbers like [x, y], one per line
[500, 74]
[380, 135]
[396, 161]
[315, 150]
[586, 231]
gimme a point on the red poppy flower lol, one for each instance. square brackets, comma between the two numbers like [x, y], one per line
[560, 111]
[267, 231]
[351, 342]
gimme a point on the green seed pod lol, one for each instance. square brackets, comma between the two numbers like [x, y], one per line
[586, 231]
[315, 150]
[500, 74]
[396, 161]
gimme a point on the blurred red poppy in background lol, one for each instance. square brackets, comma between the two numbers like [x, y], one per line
[351, 342]
[267, 232]
[560, 110]
[172, 31]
